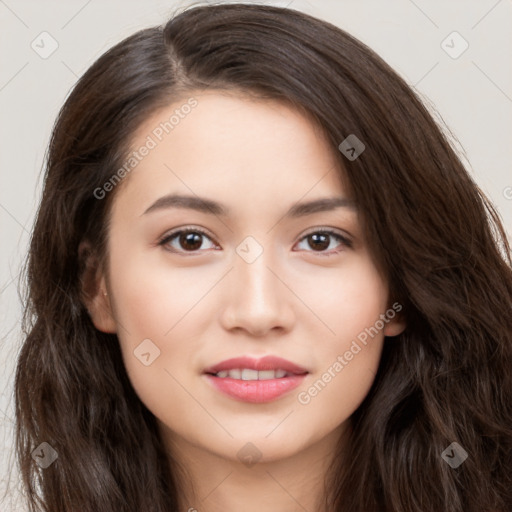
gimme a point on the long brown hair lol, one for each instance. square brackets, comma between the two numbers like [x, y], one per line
[435, 236]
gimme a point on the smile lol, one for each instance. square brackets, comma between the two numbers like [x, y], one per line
[249, 374]
[255, 380]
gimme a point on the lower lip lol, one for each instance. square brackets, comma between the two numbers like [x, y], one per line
[256, 391]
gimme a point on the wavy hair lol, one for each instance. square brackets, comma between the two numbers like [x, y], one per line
[432, 232]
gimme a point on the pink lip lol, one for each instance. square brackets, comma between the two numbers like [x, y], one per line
[264, 363]
[256, 391]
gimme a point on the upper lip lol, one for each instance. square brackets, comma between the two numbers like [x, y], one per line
[264, 363]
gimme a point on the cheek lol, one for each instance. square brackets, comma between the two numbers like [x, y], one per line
[152, 297]
[345, 300]
[335, 393]
[160, 315]
[349, 349]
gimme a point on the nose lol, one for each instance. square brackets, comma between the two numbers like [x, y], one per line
[258, 299]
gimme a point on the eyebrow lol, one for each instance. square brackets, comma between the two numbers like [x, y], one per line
[204, 205]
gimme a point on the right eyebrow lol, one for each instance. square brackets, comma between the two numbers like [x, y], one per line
[199, 204]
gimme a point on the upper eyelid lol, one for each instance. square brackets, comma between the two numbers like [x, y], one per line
[177, 231]
[327, 229]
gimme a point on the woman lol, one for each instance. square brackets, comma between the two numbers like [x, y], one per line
[260, 278]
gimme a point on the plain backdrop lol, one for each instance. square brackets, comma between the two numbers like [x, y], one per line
[471, 93]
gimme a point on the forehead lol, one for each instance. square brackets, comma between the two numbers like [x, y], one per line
[233, 147]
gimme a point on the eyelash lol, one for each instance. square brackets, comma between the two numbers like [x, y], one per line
[323, 231]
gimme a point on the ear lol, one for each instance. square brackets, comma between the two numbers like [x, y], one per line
[397, 324]
[94, 290]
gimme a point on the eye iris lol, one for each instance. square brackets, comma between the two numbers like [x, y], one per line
[320, 241]
[191, 241]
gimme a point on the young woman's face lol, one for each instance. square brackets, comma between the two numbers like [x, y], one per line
[260, 273]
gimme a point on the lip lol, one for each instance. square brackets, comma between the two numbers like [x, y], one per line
[264, 363]
[256, 391]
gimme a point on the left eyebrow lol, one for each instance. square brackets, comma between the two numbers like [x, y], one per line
[324, 204]
[204, 205]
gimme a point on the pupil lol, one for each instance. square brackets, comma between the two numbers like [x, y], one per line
[191, 241]
[320, 241]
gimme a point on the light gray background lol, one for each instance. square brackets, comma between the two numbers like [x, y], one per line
[472, 94]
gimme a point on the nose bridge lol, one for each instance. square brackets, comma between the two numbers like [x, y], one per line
[257, 283]
[258, 301]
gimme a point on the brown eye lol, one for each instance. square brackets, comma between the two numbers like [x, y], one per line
[189, 240]
[318, 241]
[324, 242]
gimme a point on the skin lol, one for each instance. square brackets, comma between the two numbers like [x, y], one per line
[257, 158]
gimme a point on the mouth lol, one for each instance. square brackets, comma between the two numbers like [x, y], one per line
[249, 374]
[255, 380]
